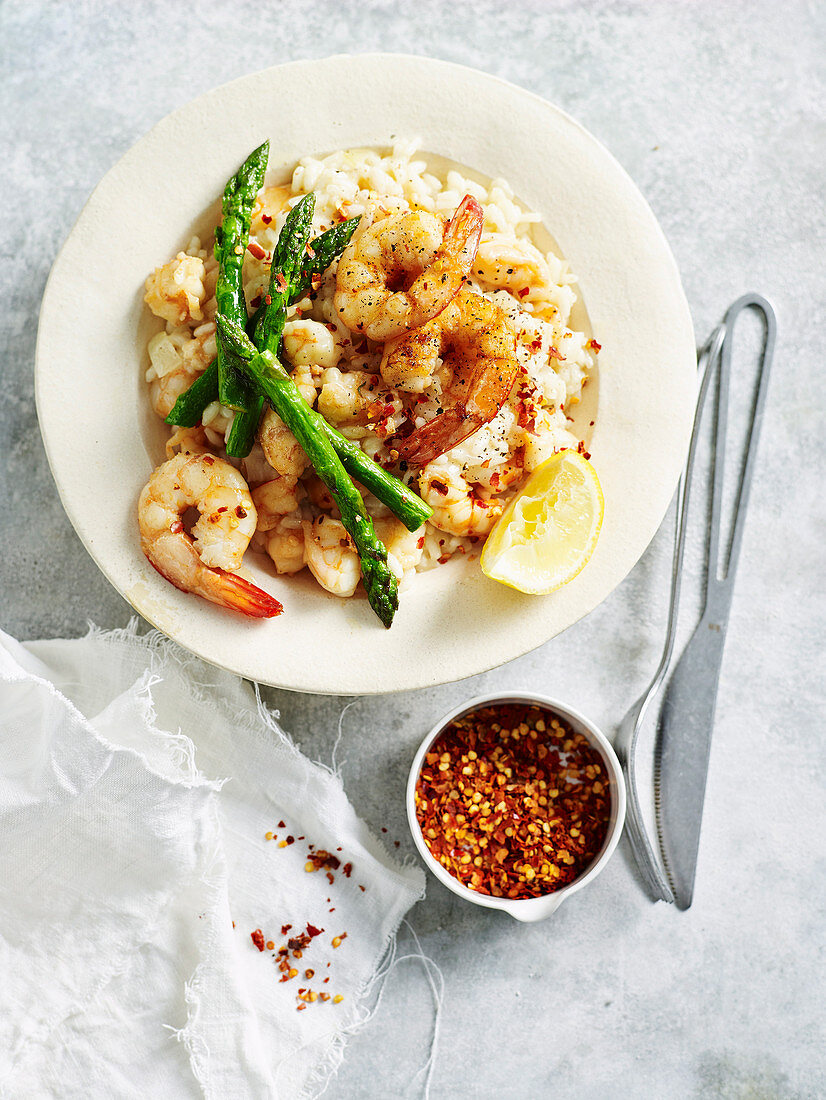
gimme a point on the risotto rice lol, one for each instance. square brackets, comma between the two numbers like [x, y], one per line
[338, 371]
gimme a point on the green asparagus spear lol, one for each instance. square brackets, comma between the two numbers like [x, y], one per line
[379, 582]
[324, 250]
[231, 239]
[269, 324]
[189, 407]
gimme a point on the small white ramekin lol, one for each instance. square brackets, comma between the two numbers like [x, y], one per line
[526, 909]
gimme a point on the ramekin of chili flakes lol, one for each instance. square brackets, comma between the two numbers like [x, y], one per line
[516, 802]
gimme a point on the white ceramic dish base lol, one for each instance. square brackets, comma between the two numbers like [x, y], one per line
[102, 439]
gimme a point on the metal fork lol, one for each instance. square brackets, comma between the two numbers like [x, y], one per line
[629, 728]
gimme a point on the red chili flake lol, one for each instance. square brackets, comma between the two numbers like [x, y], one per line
[362, 888]
[396, 843]
[256, 301]
[255, 249]
[268, 299]
[512, 801]
[330, 878]
[280, 281]
[594, 345]
[240, 512]
[176, 527]
[258, 938]
[420, 542]
[524, 291]
[285, 929]
[291, 840]
[301, 1008]
[383, 829]
[554, 354]
[439, 486]
[223, 508]
[308, 248]
[266, 219]
[312, 931]
[348, 867]
[282, 825]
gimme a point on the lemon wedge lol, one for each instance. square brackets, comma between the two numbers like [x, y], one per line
[549, 530]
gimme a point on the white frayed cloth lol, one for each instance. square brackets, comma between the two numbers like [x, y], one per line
[137, 785]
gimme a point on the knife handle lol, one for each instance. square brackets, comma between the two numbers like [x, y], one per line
[720, 574]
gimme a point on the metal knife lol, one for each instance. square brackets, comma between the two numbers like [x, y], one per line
[686, 717]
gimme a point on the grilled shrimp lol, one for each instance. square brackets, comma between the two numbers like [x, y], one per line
[331, 556]
[474, 339]
[200, 563]
[404, 269]
[281, 449]
[457, 508]
[175, 291]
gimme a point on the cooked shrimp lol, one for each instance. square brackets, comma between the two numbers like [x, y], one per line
[281, 449]
[285, 544]
[175, 291]
[187, 441]
[475, 340]
[176, 359]
[457, 507]
[275, 499]
[404, 548]
[403, 270]
[309, 343]
[200, 563]
[329, 552]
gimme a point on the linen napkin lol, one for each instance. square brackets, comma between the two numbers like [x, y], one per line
[137, 789]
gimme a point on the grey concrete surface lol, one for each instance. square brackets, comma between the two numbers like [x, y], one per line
[716, 110]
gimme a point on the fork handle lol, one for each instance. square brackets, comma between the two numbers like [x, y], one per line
[720, 574]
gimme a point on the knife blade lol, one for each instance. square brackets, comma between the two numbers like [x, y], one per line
[686, 718]
[682, 752]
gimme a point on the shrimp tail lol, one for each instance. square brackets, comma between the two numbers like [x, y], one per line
[228, 590]
[240, 595]
[465, 228]
[434, 438]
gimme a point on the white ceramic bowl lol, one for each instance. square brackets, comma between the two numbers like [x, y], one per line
[102, 439]
[527, 909]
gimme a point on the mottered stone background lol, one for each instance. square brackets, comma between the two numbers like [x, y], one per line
[716, 110]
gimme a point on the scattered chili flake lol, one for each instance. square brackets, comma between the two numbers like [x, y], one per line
[362, 888]
[524, 291]
[594, 346]
[281, 825]
[256, 301]
[312, 931]
[255, 249]
[257, 938]
[554, 354]
[301, 1008]
[512, 801]
[285, 929]
[280, 281]
[346, 870]
[266, 219]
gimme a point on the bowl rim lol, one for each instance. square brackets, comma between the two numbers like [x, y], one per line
[445, 644]
[523, 906]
